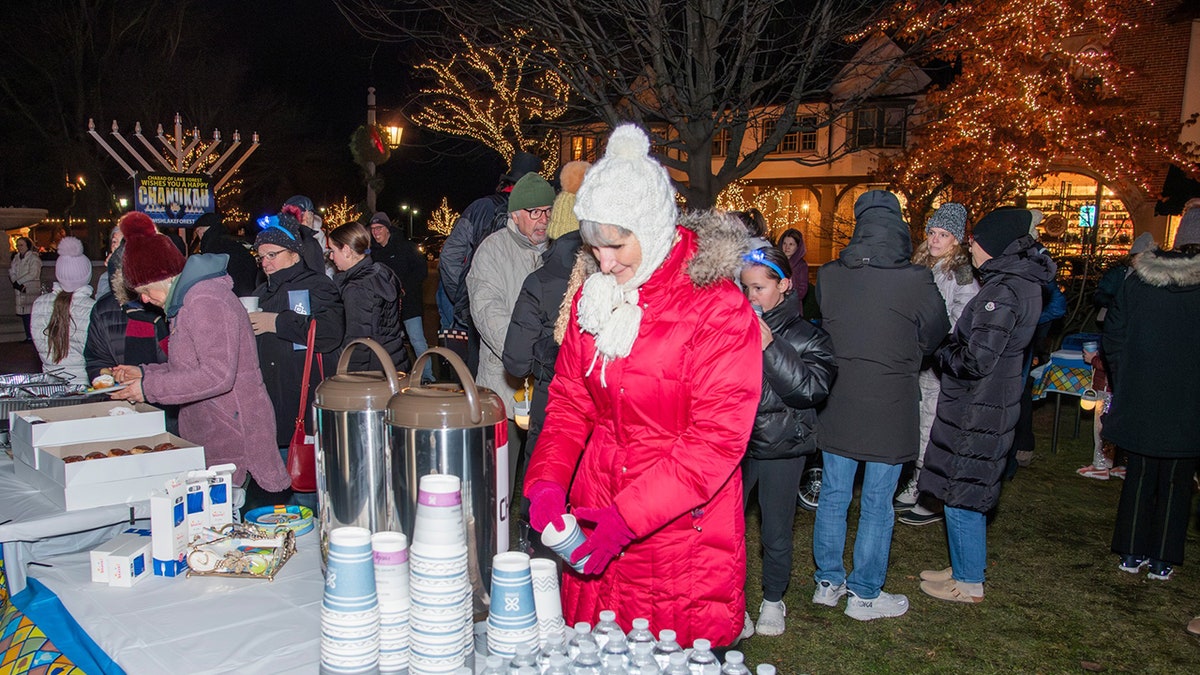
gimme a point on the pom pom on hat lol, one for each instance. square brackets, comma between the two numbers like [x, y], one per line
[951, 217]
[149, 256]
[1189, 228]
[562, 218]
[72, 270]
[630, 189]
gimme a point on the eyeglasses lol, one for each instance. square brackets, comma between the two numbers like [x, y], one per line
[538, 214]
[378, 226]
[272, 255]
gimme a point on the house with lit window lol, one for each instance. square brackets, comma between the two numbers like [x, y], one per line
[811, 179]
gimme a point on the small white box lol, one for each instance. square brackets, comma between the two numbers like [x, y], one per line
[168, 529]
[111, 480]
[130, 563]
[100, 554]
[31, 429]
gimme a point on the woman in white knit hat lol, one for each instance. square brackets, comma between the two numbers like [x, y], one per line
[655, 391]
[60, 318]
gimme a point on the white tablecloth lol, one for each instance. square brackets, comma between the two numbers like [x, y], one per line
[200, 624]
[33, 527]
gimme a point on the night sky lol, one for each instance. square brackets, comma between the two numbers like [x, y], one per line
[294, 70]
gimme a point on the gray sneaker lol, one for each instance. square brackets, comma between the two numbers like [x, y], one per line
[886, 606]
[827, 594]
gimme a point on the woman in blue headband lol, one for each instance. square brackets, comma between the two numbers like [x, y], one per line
[798, 369]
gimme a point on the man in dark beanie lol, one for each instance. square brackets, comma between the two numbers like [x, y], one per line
[214, 238]
[979, 403]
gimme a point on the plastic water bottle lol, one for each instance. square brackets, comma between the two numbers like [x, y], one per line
[710, 669]
[735, 663]
[764, 669]
[616, 646]
[606, 625]
[642, 658]
[526, 670]
[614, 665]
[583, 633]
[702, 656]
[666, 647]
[588, 661]
[555, 644]
[677, 664]
[640, 634]
[495, 666]
[525, 656]
[559, 665]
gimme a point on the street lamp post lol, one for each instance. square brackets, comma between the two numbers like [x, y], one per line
[412, 211]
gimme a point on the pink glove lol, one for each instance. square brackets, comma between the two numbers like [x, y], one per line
[547, 504]
[606, 542]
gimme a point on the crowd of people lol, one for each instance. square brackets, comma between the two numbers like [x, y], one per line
[678, 369]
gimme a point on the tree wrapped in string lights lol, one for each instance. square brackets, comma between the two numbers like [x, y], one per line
[1035, 82]
[443, 218]
[496, 95]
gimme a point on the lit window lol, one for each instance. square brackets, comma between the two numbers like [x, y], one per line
[584, 148]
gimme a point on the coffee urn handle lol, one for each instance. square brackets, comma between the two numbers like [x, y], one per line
[464, 376]
[380, 353]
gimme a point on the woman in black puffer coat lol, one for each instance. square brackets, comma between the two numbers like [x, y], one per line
[798, 369]
[371, 294]
[979, 402]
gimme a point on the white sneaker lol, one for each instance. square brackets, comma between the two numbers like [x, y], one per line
[771, 618]
[886, 606]
[827, 594]
[907, 497]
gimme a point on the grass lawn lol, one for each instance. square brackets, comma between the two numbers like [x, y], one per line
[1055, 602]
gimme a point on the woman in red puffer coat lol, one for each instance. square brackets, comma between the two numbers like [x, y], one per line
[654, 394]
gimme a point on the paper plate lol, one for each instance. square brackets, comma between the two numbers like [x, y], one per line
[105, 390]
[298, 519]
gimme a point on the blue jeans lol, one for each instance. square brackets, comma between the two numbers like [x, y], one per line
[967, 532]
[873, 542]
[415, 328]
[445, 308]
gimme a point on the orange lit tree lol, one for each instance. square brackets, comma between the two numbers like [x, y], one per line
[1033, 81]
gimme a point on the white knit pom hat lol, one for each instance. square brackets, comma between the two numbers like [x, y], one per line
[628, 188]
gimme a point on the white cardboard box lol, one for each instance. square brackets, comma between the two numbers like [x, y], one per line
[100, 554]
[168, 528]
[112, 480]
[31, 429]
[130, 563]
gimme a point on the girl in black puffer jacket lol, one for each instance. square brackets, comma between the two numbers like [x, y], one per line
[372, 295]
[798, 369]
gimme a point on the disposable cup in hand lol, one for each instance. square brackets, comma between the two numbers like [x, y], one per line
[565, 541]
[1091, 347]
[250, 302]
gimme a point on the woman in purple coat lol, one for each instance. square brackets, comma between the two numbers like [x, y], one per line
[212, 365]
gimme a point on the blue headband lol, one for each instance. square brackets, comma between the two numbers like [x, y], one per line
[272, 223]
[757, 257]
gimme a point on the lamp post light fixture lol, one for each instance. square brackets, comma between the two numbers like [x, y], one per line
[392, 135]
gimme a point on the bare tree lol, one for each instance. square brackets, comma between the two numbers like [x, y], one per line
[692, 72]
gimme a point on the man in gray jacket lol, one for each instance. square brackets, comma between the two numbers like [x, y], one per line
[494, 281]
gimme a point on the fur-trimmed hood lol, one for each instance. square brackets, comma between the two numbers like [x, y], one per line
[720, 244]
[1168, 269]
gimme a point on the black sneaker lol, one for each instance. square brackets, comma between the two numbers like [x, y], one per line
[1133, 563]
[1160, 571]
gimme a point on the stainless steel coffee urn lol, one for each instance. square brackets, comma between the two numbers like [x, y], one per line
[354, 447]
[445, 428]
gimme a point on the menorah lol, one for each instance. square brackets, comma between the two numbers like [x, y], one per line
[177, 161]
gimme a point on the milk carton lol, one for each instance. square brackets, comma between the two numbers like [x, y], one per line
[196, 503]
[100, 554]
[130, 563]
[169, 528]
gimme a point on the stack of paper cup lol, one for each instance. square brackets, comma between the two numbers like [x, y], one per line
[350, 610]
[391, 585]
[547, 599]
[512, 618]
[441, 636]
